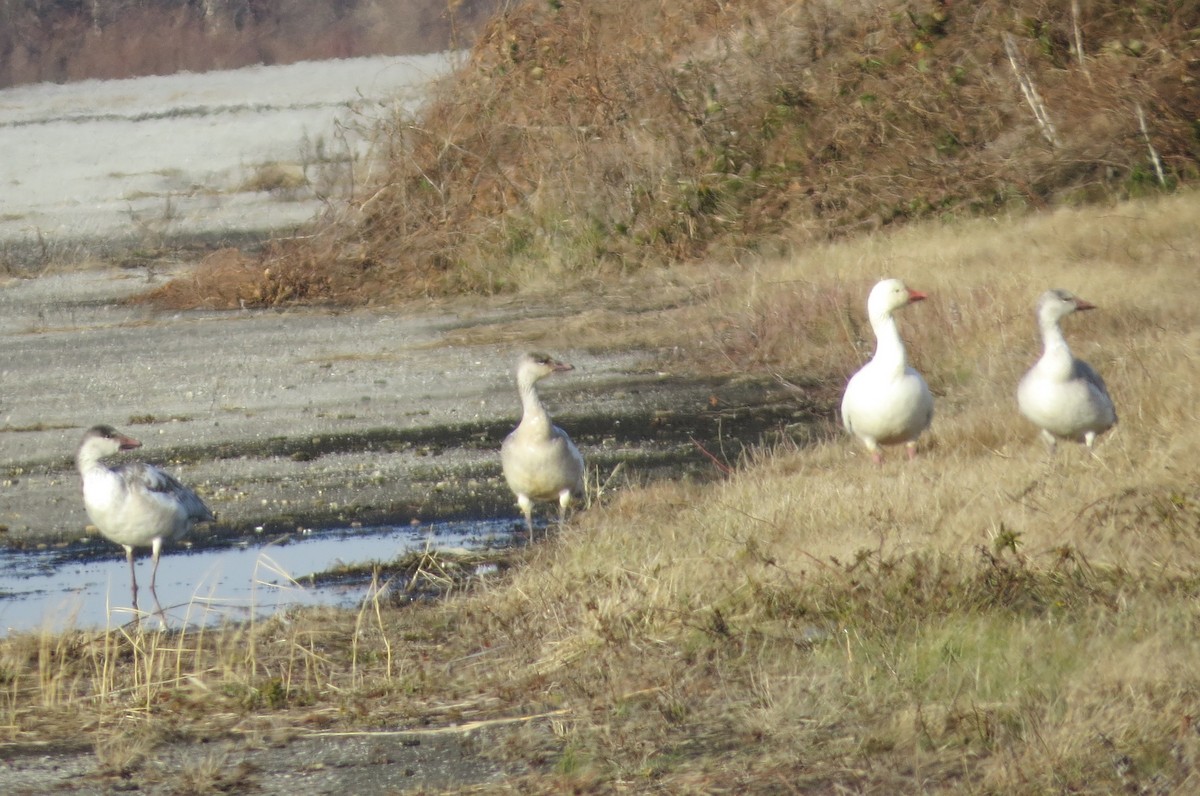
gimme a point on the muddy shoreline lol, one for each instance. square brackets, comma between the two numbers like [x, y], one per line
[446, 472]
[312, 418]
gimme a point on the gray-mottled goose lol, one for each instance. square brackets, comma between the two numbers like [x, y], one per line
[1061, 394]
[540, 461]
[887, 402]
[134, 504]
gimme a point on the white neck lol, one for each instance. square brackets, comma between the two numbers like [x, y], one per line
[533, 413]
[889, 348]
[1052, 336]
[1057, 360]
[88, 459]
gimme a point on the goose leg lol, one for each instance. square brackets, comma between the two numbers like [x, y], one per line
[527, 509]
[564, 502]
[132, 574]
[911, 447]
[156, 548]
[156, 551]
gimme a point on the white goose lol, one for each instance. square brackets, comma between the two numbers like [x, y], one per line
[887, 402]
[134, 504]
[540, 461]
[1061, 394]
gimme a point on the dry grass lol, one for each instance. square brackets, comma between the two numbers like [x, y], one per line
[983, 620]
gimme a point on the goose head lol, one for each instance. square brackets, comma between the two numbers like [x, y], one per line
[890, 295]
[534, 366]
[101, 441]
[1054, 305]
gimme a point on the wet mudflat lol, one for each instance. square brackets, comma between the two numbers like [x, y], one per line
[348, 439]
[288, 557]
[237, 579]
[323, 440]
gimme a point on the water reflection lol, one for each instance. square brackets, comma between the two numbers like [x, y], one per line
[58, 589]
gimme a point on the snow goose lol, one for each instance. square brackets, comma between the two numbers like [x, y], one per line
[134, 504]
[1061, 394]
[887, 402]
[540, 461]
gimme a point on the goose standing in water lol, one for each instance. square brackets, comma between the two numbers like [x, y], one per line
[540, 461]
[1061, 394]
[134, 504]
[887, 402]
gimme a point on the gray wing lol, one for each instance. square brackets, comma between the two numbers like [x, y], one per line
[147, 477]
[1084, 371]
[576, 458]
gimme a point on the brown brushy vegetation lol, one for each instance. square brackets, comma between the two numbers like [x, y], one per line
[585, 139]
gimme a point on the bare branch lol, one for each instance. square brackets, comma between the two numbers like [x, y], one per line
[1154, 158]
[1079, 39]
[1031, 96]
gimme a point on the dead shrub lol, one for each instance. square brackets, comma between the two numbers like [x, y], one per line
[589, 139]
[222, 280]
[276, 178]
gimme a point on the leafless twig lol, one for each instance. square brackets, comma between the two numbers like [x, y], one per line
[1078, 39]
[1031, 95]
[1154, 158]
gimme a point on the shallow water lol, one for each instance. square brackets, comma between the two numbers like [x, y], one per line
[71, 588]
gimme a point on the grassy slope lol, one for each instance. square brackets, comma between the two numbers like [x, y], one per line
[982, 620]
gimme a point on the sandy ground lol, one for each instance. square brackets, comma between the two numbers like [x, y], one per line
[370, 763]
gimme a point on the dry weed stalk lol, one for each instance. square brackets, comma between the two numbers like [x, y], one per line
[1029, 91]
[1154, 158]
[1078, 38]
[373, 601]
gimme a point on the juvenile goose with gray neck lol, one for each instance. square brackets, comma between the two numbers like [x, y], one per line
[887, 402]
[540, 461]
[134, 504]
[1061, 394]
